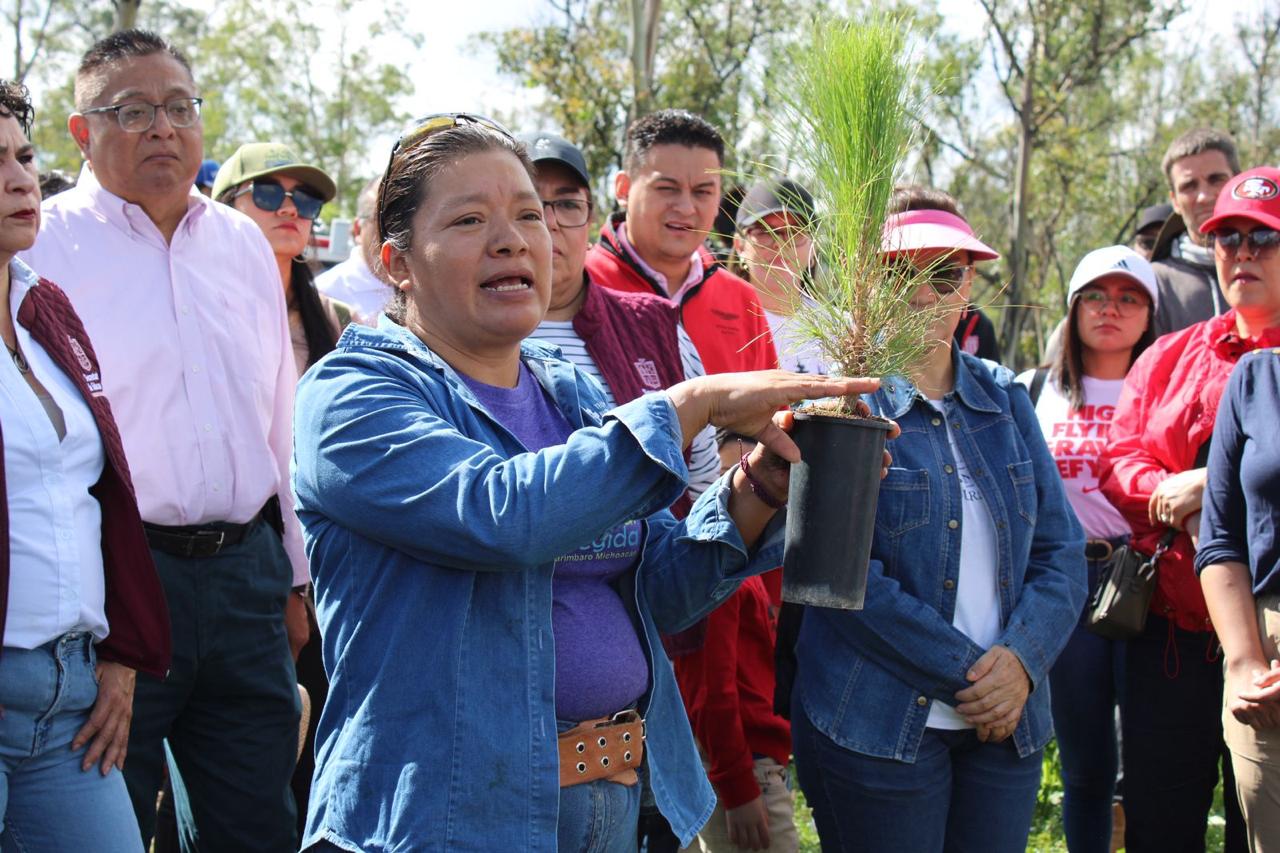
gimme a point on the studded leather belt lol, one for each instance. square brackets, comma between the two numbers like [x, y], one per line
[608, 748]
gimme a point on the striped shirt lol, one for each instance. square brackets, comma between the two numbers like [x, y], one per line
[704, 461]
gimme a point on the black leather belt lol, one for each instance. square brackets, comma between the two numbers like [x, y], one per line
[1098, 550]
[198, 540]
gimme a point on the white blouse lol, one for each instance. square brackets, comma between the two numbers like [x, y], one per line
[55, 526]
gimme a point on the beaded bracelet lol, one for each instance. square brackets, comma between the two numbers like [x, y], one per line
[757, 488]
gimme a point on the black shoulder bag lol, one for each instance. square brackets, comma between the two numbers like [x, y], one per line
[1119, 607]
[1118, 610]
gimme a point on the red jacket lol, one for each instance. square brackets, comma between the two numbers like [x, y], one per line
[722, 313]
[137, 615]
[727, 687]
[1166, 412]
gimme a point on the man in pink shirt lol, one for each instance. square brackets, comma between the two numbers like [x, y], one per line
[182, 299]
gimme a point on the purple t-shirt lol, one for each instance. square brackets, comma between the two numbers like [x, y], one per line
[600, 665]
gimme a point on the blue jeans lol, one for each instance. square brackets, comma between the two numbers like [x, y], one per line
[1085, 686]
[599, 816]
[47, 803]
[960, 795]
[229, 709]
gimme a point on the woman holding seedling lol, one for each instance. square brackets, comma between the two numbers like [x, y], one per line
[452, 475]
[919, 721]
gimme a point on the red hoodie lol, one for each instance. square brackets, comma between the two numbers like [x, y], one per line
[722, 313]
[727, 687]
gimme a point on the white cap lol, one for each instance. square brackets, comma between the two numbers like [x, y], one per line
[1114, 260]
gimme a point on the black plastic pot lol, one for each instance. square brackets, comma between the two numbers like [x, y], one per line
[831, 511]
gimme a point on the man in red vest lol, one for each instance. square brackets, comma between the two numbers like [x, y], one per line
[669, 189]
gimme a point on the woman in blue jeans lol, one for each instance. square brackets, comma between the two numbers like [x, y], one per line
[1111, 301]
[919, 722]
[81, 609]
[492, 554]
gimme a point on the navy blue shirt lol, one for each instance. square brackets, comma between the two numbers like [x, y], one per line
[1242, 496]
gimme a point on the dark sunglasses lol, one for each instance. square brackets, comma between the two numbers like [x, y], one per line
[270, 196]
[945, 279]
[424, 127]
[1261, 240]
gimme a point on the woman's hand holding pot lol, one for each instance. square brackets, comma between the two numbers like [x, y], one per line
[746, 402]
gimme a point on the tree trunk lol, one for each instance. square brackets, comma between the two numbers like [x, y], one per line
[644, 41]
[126, 14]
[1015, 314]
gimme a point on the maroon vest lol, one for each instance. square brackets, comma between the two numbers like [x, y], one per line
[632, 339]
[137, 614]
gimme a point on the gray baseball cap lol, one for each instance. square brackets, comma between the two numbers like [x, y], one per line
[546, 147]
[770, 197]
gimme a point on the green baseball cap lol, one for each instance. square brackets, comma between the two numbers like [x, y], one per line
[258, 159]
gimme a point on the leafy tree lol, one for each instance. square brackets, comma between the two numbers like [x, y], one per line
[272, 77]
[1056, 63]
[266, 71]
[710, 56]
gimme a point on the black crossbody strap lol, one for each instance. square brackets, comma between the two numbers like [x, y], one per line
[1037, 384]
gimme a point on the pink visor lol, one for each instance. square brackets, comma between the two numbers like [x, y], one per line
[932, 229]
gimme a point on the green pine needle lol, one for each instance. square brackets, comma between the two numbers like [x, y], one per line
[848, 115]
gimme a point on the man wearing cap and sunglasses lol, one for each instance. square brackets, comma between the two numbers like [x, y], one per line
[183, 300]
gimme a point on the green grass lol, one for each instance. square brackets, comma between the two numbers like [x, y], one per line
[1046, 828]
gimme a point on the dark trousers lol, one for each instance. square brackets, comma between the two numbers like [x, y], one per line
[311, 675]
[1086, 685]
[1172, 742]
[229, 707]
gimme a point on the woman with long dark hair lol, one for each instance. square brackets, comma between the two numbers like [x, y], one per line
[1111, 303]
[270, 184]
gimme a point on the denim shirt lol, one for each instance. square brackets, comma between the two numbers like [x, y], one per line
[868, 678]
[432, 534]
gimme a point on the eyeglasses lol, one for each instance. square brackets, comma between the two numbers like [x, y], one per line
[1262, 241]
[270, 197]
[138, 116]
[1127, 303]
[424, 127]
[569, 212]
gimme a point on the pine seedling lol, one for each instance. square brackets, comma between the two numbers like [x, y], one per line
[847, 112]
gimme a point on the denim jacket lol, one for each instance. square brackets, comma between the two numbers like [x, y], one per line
[432, 534]
[868, 678]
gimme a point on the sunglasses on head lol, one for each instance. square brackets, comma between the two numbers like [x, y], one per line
[270, 196]
[1261, 240]
[423, 127]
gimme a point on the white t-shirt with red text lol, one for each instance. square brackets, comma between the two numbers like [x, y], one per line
[1076, 439]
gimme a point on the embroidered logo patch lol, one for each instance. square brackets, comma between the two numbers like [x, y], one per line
[648, 372]
[1256, 189]
[80, 355]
